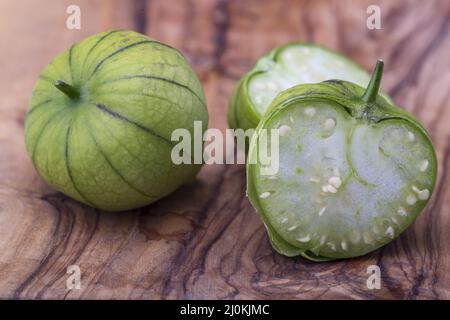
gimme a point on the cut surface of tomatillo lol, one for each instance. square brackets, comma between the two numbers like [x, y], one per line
[347, 183]
[283, 68]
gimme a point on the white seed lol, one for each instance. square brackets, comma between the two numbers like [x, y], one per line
[329, 188]
[305, 239]
[284, 130]
[401, 211]
[292, 228]
[423, 194]
[323, 239]
[284, 220]
[329, 124]
[424, 165]
[411, 199]
[390, 232]
[344, 245]
[394, 220]
[310, 111]
[264, 195]
[331, 245]
[258, 100]
[411, 136]
[332, 189]
[322, 211]
[335, 182]
[314, 179]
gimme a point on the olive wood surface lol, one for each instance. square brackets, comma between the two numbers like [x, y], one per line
[205, 240]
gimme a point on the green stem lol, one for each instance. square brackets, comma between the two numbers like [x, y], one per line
[370, 96]
[70, 91]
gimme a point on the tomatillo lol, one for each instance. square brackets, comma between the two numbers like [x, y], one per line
[284, 67]
[101, 117]
[354, 170]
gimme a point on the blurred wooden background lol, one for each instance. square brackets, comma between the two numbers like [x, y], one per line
[206, 241]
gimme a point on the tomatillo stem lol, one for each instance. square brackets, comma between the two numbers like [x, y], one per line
[371, 93]
[70, 91]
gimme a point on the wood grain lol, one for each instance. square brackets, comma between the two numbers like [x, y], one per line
[205, 240]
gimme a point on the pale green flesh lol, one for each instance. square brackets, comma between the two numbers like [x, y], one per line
[300, 64]
[378, 164]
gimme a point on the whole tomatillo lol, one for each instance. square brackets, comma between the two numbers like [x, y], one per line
[101, 117]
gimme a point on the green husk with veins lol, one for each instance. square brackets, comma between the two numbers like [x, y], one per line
[282, 68]
[364, 172]
[101, 117]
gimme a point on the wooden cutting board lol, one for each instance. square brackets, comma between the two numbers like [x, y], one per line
[206, 241]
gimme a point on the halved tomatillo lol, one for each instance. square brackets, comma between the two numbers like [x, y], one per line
[283, 68]
[354, 170]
